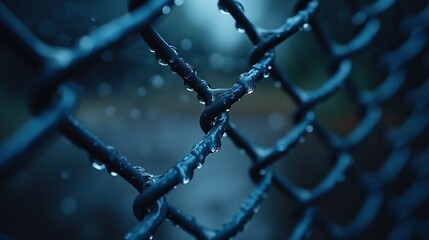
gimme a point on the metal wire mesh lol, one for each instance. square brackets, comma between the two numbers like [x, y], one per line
[55, 98]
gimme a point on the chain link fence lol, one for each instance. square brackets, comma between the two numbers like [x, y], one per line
[394, 195]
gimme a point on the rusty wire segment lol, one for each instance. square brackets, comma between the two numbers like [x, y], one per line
[55, 99]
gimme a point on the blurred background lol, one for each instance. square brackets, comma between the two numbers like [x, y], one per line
[145, 112]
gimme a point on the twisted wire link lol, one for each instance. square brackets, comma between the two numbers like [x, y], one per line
[54, 100]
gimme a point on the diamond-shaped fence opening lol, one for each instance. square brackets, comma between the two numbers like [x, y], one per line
[249, 120]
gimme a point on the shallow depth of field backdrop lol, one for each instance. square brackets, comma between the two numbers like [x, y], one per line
[145, 112]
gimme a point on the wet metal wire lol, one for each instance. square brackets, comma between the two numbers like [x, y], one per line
[55, 98]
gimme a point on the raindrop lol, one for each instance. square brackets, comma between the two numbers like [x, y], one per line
[166, 10]
[309, 128]
[214, 144]
[92, 19]
[113, 174]
[225, 134]
[301, 139]
[305, 28]
[141, 91]
[200, 99]
[96, 164]
[240, 28]
[151, 50]
[222, 8]
[160, 61]
[267, 72]
[188, 87]
[199, 165]
[174, 57]
[151, 237]
[157, 81]
[184, 170]
[112, 150]
[248, 84]
[255, 210]
[185, 180]
[192, 70]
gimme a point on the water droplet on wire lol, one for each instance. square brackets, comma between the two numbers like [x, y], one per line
[267, 72]
[305, 27]
[222, 8]
[240, 28]
[160, 61]
[96, 164]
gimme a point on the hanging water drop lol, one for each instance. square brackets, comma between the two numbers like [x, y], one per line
[184, 169]
[188, 87]
[151, 50]
[309, 128]
[239, 28]
[199, 165]
[222, 8]
[301, 139]
[98, 165]
[113, 174]
[248, 84]
[185, 180]
[267, 72]
[305, 28]
[201, 100]
[193, 71]
[256, 210]
[214, 148]
[160, 61]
